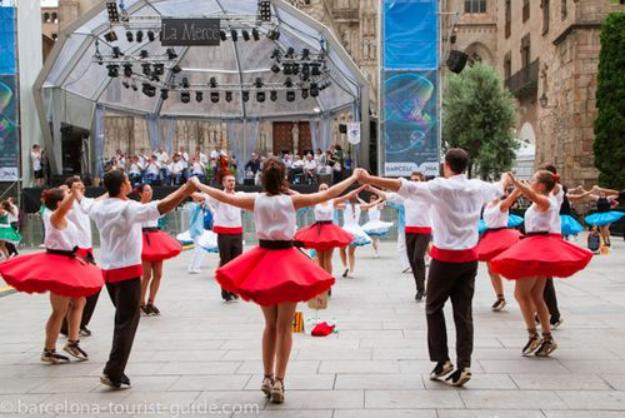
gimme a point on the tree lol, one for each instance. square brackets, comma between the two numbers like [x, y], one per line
[479, 115]
[609, 143]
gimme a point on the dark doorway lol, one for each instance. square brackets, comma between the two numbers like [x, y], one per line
[74, 153]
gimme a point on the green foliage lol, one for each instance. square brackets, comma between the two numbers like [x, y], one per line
[609, 143]
[479, 115]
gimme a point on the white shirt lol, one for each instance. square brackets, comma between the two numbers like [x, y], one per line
[324, 211]
[135, 168]
[36, 157]
[203, 158]
[351, 215]
[60, 239]
[198, 168]
[536, 221]
[225, 216]
[556, 223]
[153, 168]
[374, 214]
[298, 164]
[184, 159]
[162, 157]
[214, 154]
[494, 217]
[178, 167]
[119, 222]
[152, 223]
[78, 216]
[275, 217]
[13, 215]
[416, 211]
[456, 206]
[310, 165]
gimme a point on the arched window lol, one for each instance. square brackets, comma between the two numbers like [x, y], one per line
[475, 6]
[46, 18]
[55, 18]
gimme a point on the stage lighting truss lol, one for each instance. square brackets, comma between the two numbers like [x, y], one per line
[264, 10]
[113, 11]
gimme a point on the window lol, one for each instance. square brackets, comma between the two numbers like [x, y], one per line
[508, 18]
[545, 4]
[55, 18]
[507, 66]
[525, 51]
[475, 6]
[526, 10]
[564, 9]
[46, 18]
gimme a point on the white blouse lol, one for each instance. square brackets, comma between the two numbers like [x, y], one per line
[275, 217]
[324, 211]
[494, 217]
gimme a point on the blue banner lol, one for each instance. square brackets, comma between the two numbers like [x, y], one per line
[410, 124]
[410, 34]
[7, 40]
[8, 128]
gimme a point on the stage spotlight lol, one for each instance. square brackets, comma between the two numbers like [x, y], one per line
[295, 69]
[223, 35]
[125, 84]
[276, 54]
[110, 36]
[261, 96]
[127, 70]
[164, 94]
[246, 35]
[134, 87]
[228, 96]
[305, 72]
[290, 53]
[185, 97]
[199, 96]
[275, 68]
[273, 96]
[212, 83]
[288, 82]
[139, 36]
[113, 12]
[287, 69]
[171, 54]
[146, 69]
[315, 70]
[214, 97]
[314, 90]
[273, 35]
[305, 54]
[246, 96]
[255, 34]
[258, 83]
[176, 69]
[117, 52]
[159, 69]
[155, 78]
[143, 54]
[235, 35]
[151, 36]
[304, 94]
[149, 90]
[129, 36]
[185, 83]
[113, 70]
[264, 10]
[290, 96]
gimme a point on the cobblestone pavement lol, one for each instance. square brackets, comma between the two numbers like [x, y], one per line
[203, 356]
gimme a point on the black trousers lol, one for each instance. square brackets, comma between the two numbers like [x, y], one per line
[125, 297]
[416, 246]
[551, 300]
[230, 247]
[455, 281]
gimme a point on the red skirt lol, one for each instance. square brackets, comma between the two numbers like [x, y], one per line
[541, 256]
[159, 246]
[323, 236]
[60, 274]
[495, 242]
[269, 277]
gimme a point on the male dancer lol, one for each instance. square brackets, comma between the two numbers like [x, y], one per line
[229, 229]
[456, 202]
[119, 221]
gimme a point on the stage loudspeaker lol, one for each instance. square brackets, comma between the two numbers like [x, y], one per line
[342, 128]
[457, 61]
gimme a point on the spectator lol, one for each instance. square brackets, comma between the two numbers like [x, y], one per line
[349, 164]
[198, 169]
[253, 166]
[152, 171]
[178, 169]
[288, 160]
[35, 156]
[318, 156]
[203, 158]
[214, 154]
[161, 156]
[184, 156]
[143, 159]
[135, 171]
[310, 169]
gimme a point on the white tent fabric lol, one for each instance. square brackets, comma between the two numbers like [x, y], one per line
[73, 73]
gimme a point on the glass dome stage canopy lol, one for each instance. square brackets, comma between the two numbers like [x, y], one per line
[282, 65]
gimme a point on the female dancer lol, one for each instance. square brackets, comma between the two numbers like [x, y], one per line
[12, 212]
[59, 270]
[375, 228]
[497, 238]
[351, 218]
[324, 236]
[539, 255]
[274, 274]
[604, 216]
[157, 246]
[9, 237]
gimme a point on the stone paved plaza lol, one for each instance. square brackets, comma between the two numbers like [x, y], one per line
[202, 356]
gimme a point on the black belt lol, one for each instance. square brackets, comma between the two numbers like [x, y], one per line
[496, 229]
[67, 253]
[151, 229]
[275, 245]
[536, 233]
